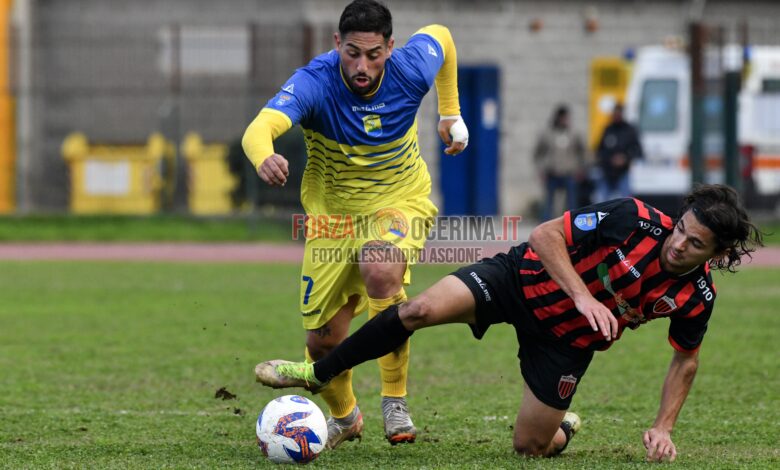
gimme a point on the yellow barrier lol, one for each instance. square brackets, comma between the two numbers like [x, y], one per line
[7, 144]
[608, 85]
[116, 179]
[208, 176]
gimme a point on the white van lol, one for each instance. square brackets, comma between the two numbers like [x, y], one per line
[658, 101]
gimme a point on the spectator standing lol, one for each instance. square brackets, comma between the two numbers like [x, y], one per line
[560, 160]
[618, 148]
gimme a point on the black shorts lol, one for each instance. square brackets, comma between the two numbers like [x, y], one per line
[551, 369]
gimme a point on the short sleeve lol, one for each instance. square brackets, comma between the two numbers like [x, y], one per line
[609, 222]
[687, 333]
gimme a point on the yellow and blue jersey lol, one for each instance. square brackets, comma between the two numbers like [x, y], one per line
[362, 150]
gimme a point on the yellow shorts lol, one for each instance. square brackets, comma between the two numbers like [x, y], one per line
[331, 274]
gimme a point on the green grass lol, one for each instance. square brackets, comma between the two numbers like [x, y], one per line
[174, 228]
[115, 365]
[169, 227]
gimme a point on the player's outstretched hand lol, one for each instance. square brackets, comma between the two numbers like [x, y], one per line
[598, 315]
[274, 170]
[659, 445]
[454, 134]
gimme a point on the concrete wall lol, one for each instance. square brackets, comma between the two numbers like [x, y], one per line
[97, 69]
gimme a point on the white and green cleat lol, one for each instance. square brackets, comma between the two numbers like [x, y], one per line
[287, 374]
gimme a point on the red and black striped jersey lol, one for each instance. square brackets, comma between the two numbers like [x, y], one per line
[615, 247]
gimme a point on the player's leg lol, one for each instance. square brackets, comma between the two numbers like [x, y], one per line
[551, 373]
[382, 270]
[538, 429]
[319, 342]
[328, 304]
[346, 421]
[447, 301]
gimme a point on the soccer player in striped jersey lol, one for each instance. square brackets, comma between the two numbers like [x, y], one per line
[571, 290]
[357, 106]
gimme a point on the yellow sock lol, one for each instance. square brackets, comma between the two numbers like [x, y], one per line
[338, 393]
[393, 367]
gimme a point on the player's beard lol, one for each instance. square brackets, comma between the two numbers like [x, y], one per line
[359, 89]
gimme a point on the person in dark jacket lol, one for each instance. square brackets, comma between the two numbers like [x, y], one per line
[618, 147]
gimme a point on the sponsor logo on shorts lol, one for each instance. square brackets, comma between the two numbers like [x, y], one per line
[313, 312]
[482, 285]
[586, 222]
[566, 386]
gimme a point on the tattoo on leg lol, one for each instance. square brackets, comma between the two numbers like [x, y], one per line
[322, 331]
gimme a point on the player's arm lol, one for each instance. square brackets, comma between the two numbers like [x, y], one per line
[549, 242]
[452, 129]
[258, 146]
[679, 378]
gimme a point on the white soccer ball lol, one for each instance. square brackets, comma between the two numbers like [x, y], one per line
[291, 429]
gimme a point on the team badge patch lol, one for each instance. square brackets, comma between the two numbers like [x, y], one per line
[586, 222]
[283, 99]
[566, 386]
[664, 305]
[372, 125]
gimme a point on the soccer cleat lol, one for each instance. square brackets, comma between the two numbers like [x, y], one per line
[572, 421]
[286, 374]
[343, 429]
[398, 424]
[570, 424]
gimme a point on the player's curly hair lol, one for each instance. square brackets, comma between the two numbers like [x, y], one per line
[367, 16]
[718, 208]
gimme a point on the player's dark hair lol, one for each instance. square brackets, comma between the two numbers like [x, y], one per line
[718, 208]
[366, 16]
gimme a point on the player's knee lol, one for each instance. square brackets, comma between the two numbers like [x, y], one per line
[382, 269]
[320, 347]
[416, 313]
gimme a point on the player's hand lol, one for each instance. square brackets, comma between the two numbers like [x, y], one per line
[598, 315]
[454, 134]
[659, 445]
[274, 170]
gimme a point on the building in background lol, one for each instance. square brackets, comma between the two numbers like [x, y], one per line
[119, 71]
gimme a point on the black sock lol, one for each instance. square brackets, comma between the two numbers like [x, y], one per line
[379, 336]
[566, 427]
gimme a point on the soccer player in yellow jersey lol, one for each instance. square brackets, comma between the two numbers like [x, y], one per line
[365, 187]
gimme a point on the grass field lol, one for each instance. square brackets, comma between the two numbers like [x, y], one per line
[116, 365]
[175, 228]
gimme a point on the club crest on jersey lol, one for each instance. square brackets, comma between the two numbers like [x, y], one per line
[566, 386]
[372, 124]
[664, 305]
[283, 99]
[586, 222]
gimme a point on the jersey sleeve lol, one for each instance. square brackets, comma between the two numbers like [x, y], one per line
[688, 324]
[686, 333]
[607, 223]
[420, 60]
[299, 96]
